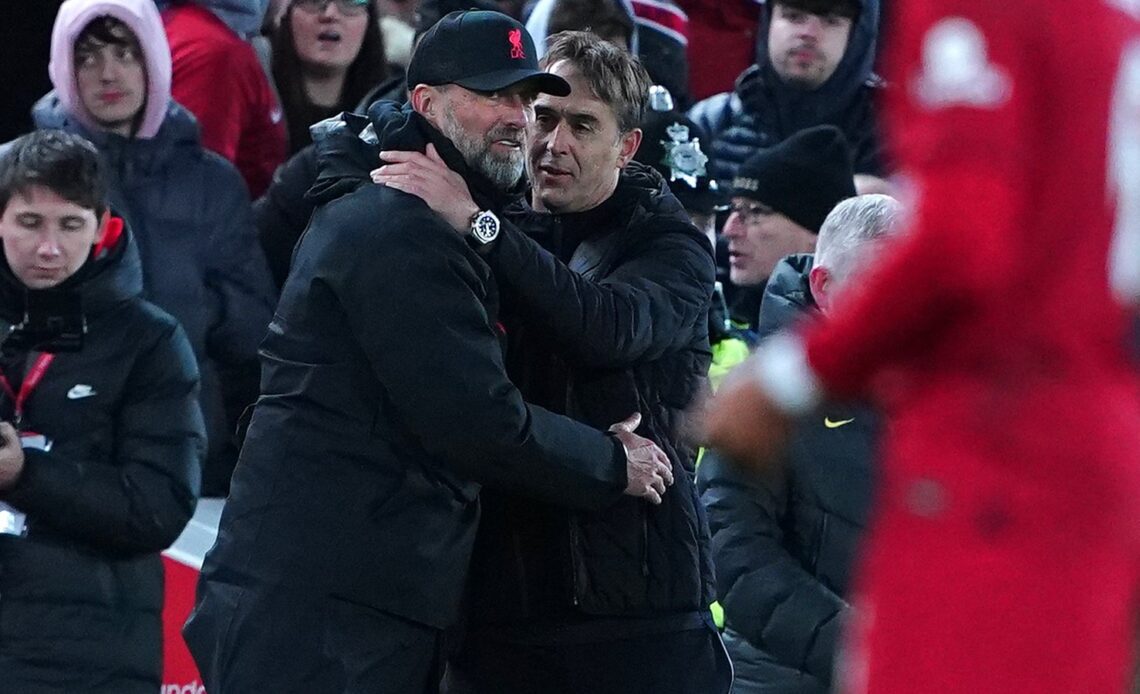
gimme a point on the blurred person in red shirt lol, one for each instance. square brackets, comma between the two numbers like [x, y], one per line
[1002, 551]
[219, 78]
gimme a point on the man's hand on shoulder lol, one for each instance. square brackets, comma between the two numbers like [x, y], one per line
[11, 456]
[427, 177]
[648, 470]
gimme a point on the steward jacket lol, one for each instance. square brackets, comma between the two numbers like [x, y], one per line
[784, 542]
[609, 316]
[385, 400]
[763, 110]
[82, 593]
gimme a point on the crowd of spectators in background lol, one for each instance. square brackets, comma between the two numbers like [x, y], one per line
[206, 118]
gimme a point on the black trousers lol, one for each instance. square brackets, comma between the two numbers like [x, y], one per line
[682, 662]
[248, 641]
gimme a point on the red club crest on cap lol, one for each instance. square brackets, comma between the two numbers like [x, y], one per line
[515, 37]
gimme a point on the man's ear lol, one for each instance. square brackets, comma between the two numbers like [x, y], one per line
[818, 279]
[426, 101]
[629, 144]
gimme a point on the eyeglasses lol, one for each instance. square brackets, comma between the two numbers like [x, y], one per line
[349, 8]
[750, 213]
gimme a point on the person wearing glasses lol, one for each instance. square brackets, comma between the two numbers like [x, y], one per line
[327, 55]
[780, 197]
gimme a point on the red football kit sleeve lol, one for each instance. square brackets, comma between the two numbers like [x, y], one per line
[1002, 555]
[218, 78]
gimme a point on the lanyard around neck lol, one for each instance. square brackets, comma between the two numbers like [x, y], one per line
[35, 375]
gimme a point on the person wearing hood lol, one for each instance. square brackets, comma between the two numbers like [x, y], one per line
[192, 220]
[608, 286]
[219, 78]
[784, 543]
[344, 546]
[993, 336]
[101, 439]
[814, 67]
[656, 31]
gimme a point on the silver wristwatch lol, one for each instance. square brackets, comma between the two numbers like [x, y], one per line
[484, 227]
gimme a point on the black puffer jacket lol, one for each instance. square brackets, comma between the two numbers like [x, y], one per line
[764, 110]
[612, 321]
[784, 544]
[282, 214]
[201, 262]
[385, 401]
[81, 595]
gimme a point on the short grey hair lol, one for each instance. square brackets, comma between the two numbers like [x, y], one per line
[850, 227]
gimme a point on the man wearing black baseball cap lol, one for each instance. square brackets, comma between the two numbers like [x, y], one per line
[610, 285]
[345, 542]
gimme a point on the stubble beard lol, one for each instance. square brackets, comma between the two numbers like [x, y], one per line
[503, 171]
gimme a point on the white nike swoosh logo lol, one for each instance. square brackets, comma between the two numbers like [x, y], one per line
[80, 391]
[833, 424]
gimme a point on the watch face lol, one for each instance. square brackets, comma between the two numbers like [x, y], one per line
[485, 227]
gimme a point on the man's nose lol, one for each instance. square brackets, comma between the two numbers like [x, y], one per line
[733, 226]
[49, 245]
[558, 139]
[811, 28]
[513, 110]
[108, 70]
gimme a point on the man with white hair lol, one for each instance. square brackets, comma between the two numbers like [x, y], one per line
[994, 336]
[784, 541]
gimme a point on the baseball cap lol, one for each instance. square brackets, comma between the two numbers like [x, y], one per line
[482, 51]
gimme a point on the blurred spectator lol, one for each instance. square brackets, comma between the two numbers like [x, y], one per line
[658, 36]
[722, 42]
[101, 438]
[219, 78]
[816, 59]
[397, 20]
[1002, 553]
[24, 49]
[404, 10]
[188, 207]
[780, 197]
[327, 54]
[784, 542]
[282, 213]
[431, 11]
[606, 19]
[671, 143]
